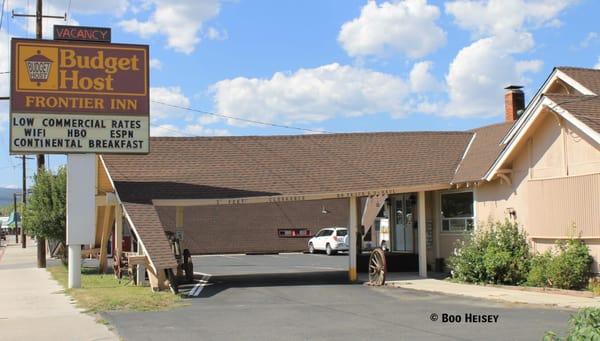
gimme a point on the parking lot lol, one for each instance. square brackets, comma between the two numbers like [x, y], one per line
[218, 265]
[302, 297]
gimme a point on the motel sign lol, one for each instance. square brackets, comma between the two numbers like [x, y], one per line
[79, 97]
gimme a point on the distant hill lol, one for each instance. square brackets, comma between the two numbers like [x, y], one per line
[6, 195]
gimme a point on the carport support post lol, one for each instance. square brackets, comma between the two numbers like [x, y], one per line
[141, 270]
[352, 240]
[422, 236]
[118, 229]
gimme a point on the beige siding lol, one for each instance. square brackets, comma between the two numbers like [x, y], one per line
[541, 245]
[583, 155]
[561, 202]
[547, 149]
[555, 183]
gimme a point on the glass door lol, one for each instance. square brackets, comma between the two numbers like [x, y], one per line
[404, 221]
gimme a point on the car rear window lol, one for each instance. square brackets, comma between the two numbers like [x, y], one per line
[341, 233]
[327, 232]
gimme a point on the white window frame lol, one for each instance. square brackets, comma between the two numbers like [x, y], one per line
[465, 219]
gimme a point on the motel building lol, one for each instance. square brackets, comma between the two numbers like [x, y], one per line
[417, 193]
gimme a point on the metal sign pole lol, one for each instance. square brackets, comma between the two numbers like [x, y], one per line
[81, 210]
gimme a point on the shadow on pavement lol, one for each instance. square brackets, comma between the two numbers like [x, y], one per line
[217, 284]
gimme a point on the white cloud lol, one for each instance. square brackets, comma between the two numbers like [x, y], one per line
[115, 7]
[498, 16]
[214, 34]
[156, 64]
[479, 73]
[589, 39]
[408, 27]
[171, 96]
[597, 66]
[190, 130]
[4, 63]
[422, 80]
[180, 21]
[10, 186]
[311, 95]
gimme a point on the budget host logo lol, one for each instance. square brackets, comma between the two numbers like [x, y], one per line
[72, 69]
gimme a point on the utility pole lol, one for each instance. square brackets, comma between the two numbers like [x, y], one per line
[41, 242]
[24, 202]
[15, 216]
[41, 162]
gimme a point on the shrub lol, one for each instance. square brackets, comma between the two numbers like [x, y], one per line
[538, 271]
[585, 325]
[566, 267]
[496, 254]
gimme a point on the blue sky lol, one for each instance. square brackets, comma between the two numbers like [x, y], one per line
[329, 65]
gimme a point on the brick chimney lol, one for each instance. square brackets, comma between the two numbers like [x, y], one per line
[514, 102]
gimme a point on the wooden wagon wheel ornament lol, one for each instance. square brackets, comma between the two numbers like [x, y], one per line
[377, 267]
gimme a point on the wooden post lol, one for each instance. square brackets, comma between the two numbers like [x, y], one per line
[107, 222]
[353, 237]
[118, 229]
[422, 236]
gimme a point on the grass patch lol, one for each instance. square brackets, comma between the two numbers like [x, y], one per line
[104, 293]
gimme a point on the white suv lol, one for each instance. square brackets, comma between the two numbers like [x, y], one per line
[330, 240]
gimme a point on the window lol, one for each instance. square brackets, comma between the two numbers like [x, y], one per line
[342, 233]
[326, 233]
[457, 212]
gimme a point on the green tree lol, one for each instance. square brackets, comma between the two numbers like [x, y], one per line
[45, 214]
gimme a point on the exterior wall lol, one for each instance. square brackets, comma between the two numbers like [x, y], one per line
[555, 183]
[253, 227]
[447, 241]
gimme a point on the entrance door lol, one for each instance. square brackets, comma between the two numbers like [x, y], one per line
[405, 206]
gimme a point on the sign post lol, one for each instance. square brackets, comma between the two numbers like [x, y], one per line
[80, 99]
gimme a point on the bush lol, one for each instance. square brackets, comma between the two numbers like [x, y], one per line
[585, 325]
[538, 271]
[567, 267]
[497, 254]
[45, 213]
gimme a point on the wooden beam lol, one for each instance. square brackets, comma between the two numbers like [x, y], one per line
[297, 197]
[179, 217]
[118, 230]
[108, 219]
[108, 199]
[505, 178]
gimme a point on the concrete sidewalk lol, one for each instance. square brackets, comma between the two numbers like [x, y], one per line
[491, 293]
[33, 305]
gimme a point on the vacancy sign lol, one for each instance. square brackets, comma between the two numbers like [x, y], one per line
[78, 97]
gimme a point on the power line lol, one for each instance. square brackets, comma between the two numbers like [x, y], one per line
[243, 119]
[2, 16]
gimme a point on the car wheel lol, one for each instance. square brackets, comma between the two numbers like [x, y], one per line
[329, 250]
[311, 248]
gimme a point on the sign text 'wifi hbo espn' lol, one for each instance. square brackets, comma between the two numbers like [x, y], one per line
[78, 97]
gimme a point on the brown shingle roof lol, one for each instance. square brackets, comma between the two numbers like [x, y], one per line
[482, 152]
[151, 232]
[229, 167]
[584, 108]
[590, 78]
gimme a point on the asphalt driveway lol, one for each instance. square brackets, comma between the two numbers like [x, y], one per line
[306, 297]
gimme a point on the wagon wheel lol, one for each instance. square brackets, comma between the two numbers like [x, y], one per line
[117, 267]
[377, 267]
